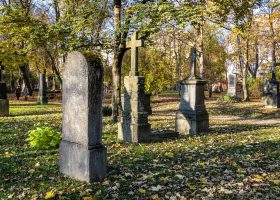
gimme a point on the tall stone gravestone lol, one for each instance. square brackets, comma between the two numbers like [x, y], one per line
[271, 93]
[42, 98]
[82, 154]
[232, 81]
[4, 102]
[134, 126]
[192, 116]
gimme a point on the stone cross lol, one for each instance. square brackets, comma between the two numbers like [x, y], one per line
[274, 65]
[193, 56]
[133, 45]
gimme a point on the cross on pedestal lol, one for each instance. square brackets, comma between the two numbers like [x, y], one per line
[1, 68]
[193, 56]
[133, 45]
[274, 65]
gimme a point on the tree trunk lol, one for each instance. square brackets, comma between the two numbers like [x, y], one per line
[116, 68]
[245, 74]
[25, 75]
[209, 89]
[244, 71]
[201, 58]
[54, 67]
[273, 44]
[254, 75]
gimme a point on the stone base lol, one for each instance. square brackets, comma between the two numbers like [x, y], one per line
[81, 163]
[134, 132]
[4, 107]
[42, 100]
[271, 101]
[192, 123]
[232, 92]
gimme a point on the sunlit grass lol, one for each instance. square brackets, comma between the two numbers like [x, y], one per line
[234, 160]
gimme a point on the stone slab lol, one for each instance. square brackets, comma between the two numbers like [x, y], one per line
[82, 154]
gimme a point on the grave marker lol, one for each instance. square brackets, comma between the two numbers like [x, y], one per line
[82, 153]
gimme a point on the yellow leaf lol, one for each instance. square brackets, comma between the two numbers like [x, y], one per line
[122, 149]
[155, 197]
[169, 154]
[191, 186]
[50, 195]
[88, 198]
[240, 170]
[7, 154]
[258, 178]
[276, 182]
[202, 164]
[203, 180]
[141, 190]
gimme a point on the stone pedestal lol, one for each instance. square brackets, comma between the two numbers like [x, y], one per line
[192, 116]
[4, 107]
[82, 162]
[82, 154]
[271, 96]
[42, 97]
[134, 126]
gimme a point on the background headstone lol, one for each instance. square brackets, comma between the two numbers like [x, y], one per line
[192, 116]
[82, 154]
[42, 97]
[271, 93]
[232, 81]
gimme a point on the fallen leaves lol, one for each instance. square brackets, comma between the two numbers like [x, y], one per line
[50, 195]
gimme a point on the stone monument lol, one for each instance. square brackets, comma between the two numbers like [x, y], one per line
[271, 94]
[232, 81]
[4, 102]
[134, 126]
[42, 97]
[192, 116]
[82, 154]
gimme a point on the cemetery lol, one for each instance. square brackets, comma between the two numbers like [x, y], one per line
[139, 100]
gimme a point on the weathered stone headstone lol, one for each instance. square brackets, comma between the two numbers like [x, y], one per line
[4, 102]
[192, 116]
[42, 97]
[134, 126]
[82, 154]
[232, 80]
[271, 93]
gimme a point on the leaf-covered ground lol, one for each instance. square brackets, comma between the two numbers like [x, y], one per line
[237, 159]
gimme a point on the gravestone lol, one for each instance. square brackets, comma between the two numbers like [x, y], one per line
[4, 102]
[232, 80]
[42, 98]
[82, 154]
[134, 126]
[192, 116]
[271, 93]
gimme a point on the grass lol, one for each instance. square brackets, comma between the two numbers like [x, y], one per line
[235, 160]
